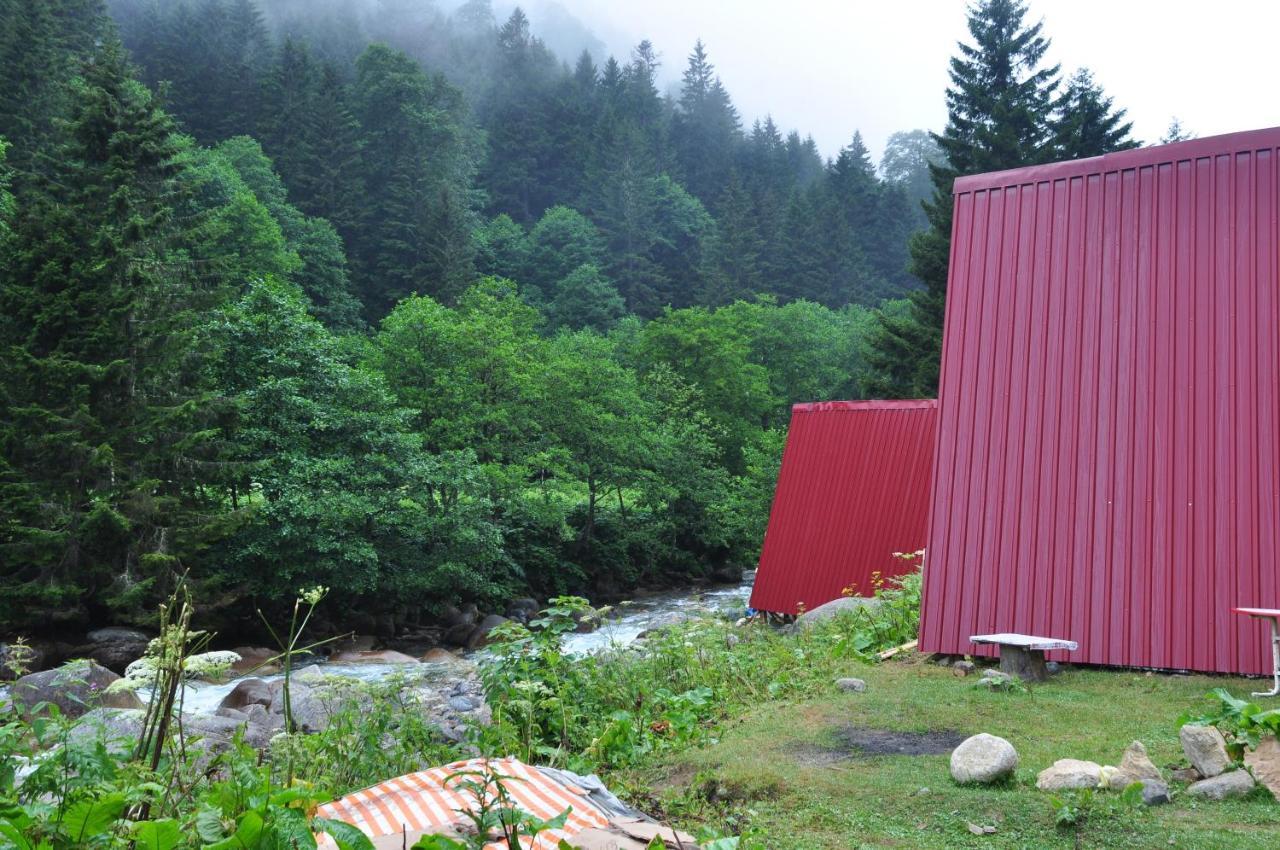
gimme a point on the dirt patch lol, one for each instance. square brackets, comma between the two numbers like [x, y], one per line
[851, 742]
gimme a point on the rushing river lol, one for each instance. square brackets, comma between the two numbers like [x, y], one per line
[624, 623]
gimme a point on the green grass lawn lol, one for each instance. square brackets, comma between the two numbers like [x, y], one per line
[787, 769]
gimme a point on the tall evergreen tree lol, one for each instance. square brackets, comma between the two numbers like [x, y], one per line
[415, 229]
[999, 115]
[706, 129]
[99, 487]
[1087, 122]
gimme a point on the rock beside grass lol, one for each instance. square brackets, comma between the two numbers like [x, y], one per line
[1264, 762]
[1154, 792]
[1069, 774]
[851, 685]
[1135, 766]
[1205, 748]
[963, 668]
[1236, 783]
[983, 759]
[836, 606]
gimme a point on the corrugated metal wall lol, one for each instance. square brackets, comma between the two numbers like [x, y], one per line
[1107, 466]
[853, 489]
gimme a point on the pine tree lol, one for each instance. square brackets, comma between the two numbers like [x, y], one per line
[1087, 123]
[706, 129]
[100, 491]
[414, 233]
[999, 110]
[41, 47]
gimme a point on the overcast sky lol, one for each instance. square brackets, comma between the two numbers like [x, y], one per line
[829, 67]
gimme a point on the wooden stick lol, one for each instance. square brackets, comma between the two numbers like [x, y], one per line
[889, 653]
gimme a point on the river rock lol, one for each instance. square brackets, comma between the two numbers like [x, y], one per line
[115, 647]
[458, 634]
[355, 643]
[851, 685]
[439, 655]
[116, 727]
[1068, 774]
[310, 712]
[1205, 748]
[379, 656]
[254, 659]
[248, 692]
[1185, 774]
[1135, 766]
[1236, 783]
[522, 610]
[836, 606]
[983, 758]
[1264, 763]
[467, 615]
[480, 636]
[75, 688]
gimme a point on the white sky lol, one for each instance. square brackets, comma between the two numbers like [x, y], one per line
[829, 67]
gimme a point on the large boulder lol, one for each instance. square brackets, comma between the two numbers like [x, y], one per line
[376, 656]
[1264, 763]
[117, 727]
[983, 758]
[249, 692]
[522, 610]
[1135, 766]
[1069, 774]
[1205, 748]
[255, 659]
[75, 688]
[439, 655]
[115, 647]
[1236, 783]
[310, 712]
[827, 610]
[480, 636]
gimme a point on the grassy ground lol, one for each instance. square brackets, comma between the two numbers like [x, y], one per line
[788, 769]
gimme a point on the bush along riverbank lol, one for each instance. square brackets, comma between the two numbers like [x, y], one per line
[76, 772]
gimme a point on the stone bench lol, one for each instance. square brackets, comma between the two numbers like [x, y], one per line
[1023, 655]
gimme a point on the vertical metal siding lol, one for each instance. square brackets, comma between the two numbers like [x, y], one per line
[853, 489]
[1107, 466]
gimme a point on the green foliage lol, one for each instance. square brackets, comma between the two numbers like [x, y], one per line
[668, 691]
[1242, 723]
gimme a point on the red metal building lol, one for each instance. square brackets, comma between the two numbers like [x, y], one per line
[1108, 466]
[853, 489]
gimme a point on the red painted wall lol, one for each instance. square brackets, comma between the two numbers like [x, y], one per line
[1108, 467]
[853, 489]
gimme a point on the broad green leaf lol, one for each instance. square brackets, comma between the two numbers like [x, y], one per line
[347, 836]
[209, 825]
[157, 835]
[246, 837]
[92, 818]
[11, 832]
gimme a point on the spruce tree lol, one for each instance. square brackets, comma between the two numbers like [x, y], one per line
[706, 129]
[99, 489]
[1087, 123]
[999, 115]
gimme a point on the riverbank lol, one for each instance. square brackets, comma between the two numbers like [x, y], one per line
[791, 739]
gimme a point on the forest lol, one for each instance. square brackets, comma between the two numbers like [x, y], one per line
[397, 301]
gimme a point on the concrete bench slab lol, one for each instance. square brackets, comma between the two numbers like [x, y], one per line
[1023, 655]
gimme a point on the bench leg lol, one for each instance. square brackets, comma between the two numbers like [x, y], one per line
[1275, 661]
[1026, 664]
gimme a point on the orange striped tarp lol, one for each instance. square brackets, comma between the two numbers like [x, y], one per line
[425, 801]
